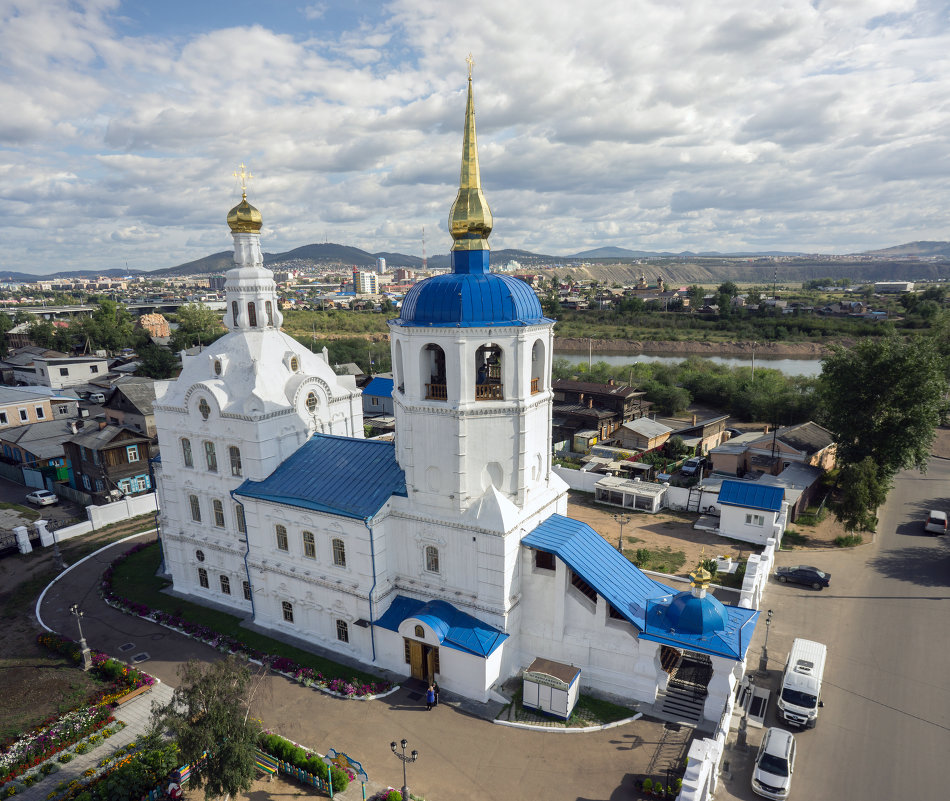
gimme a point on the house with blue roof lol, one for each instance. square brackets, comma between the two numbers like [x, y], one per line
[378, 397]
[752, 511]
[446, 554]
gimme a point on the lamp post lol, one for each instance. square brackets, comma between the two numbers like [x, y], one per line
[413, 756]
[622, 520]
[753, 361]
[61, 563]
[765, 647]
[86, 653]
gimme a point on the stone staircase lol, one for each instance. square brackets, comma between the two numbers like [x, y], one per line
[682, 704]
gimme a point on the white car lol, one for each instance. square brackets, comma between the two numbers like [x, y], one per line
[772, 775]
[42, 498]
[936, 523]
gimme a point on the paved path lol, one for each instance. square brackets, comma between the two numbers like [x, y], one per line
[461, 756]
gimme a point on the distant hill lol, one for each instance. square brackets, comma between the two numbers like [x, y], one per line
[919, 249]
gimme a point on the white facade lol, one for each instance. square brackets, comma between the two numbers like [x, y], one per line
[62, 373]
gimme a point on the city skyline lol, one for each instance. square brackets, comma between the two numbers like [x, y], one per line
[813, 127]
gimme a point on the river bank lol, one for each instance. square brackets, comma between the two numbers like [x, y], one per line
[801, 350]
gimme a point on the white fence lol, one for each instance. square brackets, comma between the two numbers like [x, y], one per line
[131, 506]
[578, 479]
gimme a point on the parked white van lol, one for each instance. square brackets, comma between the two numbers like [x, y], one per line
[800, 697]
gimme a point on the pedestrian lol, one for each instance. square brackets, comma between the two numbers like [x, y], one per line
[435, 689]
[430, 698]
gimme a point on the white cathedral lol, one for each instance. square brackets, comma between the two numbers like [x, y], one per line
[446, 555]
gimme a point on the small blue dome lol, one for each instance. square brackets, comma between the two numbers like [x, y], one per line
[470, 300]
[688, 614]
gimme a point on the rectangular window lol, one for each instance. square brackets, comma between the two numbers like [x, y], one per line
[40, 413]
[62, 409]
[282, 543]
[100, 487]
[583, 586]
[754, 520]
[210, 457]
[93, 368]
[235, 454]
[3, 418]
[339, 553]
[64, 371]
[225, 585]
[309, 545]
[203, 577]
[239, 516]
[86, 483]
[288, 610]
[342, 631]
[132, 453]
[432, 559]
[195, 508]
[186, 452]
[218, 509]
[247, 590]
[24, 415]
[544, 560]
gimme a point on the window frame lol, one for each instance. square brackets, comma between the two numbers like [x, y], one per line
[195, 504]
[342, 631]
[309, 544]
[211, 456]
[283, 542]
[203, 578]
[431, 554]
[287, 608]
[338, 546]
[187, 457]
[234, 455]
[217, 512]
[132, 453]
[225, 582]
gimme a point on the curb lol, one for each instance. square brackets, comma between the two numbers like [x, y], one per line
[553, 730]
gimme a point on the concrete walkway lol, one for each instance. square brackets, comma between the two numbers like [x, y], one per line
[461, 755]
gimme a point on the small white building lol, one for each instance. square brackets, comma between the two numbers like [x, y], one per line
[751, 511]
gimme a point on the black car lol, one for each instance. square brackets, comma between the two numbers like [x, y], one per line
[803, 574]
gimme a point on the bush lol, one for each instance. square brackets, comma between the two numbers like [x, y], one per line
[648, 785]
[48, 767]
[81, 748]
[848, 540]
[65, 757]
[29, 780]
[710, 565]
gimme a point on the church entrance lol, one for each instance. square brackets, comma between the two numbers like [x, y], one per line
[423, 660]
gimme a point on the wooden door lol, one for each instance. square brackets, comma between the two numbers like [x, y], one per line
[430, 665]
[415, 660]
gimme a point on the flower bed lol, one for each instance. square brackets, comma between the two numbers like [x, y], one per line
[305, 760]
[338, 686]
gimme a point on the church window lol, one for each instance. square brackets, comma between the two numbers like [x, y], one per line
[294, 363]
[235, 455]
[433, 371]
[200, 555]
[342, 631]
[282, 538]
[225, 585]
[270, 315]
[288, 610]
[247, 590]
[419, 632]
[537, 367]
[217, 367]
[311, 403]
[309, 545]
[339, 553]
[488, 373]
[234, 311]
[239, 516]
[203, 577]
[583, 586]
[204, 408]
[186, 452]
[218, 508]
[195, 508]
[543, 560]
[211, 457]
[251, 315]
[432, 559]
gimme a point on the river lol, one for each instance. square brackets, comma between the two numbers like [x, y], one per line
[804, 367]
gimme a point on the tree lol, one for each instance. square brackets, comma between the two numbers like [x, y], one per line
[196, 324]
[156, 362]
[728, 288]
[863, 488]
[209, 713]
[883, 399]
[696, 296]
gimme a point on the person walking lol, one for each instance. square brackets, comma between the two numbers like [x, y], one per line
[430, 698]
[435, 689]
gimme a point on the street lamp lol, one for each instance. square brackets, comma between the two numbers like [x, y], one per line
[768, 622]
[622, 520]
[61, 563]
[405, 761]
[86, 653]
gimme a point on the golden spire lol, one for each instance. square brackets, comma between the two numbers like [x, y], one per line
[470, 220]
[700, 576]
[244, 218]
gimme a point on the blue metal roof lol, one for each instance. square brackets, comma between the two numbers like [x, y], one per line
[469, 297]
[339, 475]
[668, 625]
[601, 565]
[751, 495]
[380, 387]
[454, 628]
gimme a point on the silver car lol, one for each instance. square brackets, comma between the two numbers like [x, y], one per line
[772, 776]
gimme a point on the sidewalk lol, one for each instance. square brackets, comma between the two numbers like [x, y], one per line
[136, 715]
[461, 755]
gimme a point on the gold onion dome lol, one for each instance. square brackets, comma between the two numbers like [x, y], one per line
[700, 578]
[470, 220]
[244, 218]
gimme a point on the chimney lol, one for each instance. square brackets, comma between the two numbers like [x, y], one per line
[102, 424]
[590, 403]
[610, 382]
[74, 428]
[694, 419]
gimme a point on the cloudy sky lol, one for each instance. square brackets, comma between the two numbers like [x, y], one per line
[806, 125]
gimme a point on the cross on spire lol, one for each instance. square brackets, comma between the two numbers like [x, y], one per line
[471, 63]
[243, 176]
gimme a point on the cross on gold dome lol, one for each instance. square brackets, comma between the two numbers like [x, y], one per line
[471, 63]
[243, 176]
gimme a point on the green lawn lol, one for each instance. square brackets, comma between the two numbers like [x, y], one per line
[135, 579]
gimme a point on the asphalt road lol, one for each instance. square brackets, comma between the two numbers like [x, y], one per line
[884, 731]
[11, 492]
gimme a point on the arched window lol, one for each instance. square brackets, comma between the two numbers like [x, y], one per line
[239, 516]
[195, 508]
[234, 311]
[342, 631]
[488, 373]
[203, 577]
[211, 457]
[537, 367]
[217, 367]
[235, 454]
[270, 315]
[204, 408]
[251, 315]
[399, 377]
[339, 553]
[294, 363]
[225, 585]
[432, 559]
[433, 372]
[218, 509]
[282, 543]
[186, 452]
[420, 632]
[288, 609]
[311, 402]
[309, 545]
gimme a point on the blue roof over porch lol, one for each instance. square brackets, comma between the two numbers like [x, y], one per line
[454, 628]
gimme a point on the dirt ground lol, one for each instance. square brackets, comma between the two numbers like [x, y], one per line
[280, 788]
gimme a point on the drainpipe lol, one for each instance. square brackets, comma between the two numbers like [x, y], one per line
[372, 556]
[247, 542]
[158, 531]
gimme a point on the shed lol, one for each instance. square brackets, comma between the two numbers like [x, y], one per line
[551, 687]
[643, 496]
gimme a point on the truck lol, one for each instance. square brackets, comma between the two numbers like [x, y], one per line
[800, 697]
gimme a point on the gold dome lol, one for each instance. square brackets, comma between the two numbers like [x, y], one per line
[244, 218]
[470, 220]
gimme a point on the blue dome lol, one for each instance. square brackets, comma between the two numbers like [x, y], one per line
[688, 614]
[470, 300]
